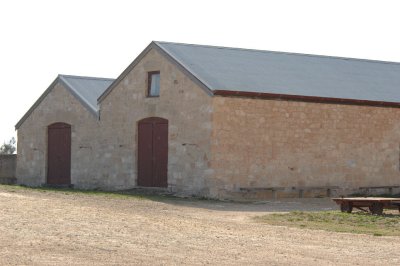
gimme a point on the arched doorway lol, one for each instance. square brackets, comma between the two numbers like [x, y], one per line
[152, 152]
[59, 154]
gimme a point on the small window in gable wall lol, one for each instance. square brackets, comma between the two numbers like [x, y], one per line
[153, 86]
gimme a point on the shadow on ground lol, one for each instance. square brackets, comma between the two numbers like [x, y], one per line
[270, 205]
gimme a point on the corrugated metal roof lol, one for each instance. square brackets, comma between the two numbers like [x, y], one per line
[234, 69]
[85, 89]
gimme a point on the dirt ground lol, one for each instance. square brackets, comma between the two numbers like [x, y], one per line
[48, 228]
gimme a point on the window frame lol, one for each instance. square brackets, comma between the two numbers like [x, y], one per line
[149, 79]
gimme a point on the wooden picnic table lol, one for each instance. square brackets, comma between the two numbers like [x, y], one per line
[375, 205]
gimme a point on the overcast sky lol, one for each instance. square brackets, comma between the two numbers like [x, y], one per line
[40, 39]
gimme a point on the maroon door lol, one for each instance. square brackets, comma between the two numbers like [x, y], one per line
[152, 152]
[59, 154]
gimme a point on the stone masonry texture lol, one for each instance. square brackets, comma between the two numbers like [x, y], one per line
[59, 106]
[217, 145]
[188, 110]
[271, 143]
[7, 165]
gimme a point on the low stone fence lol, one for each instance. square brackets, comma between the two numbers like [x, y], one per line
[8, 166]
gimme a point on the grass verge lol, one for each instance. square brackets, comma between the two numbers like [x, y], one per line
[133, 193]
[335, 221]
[67, 191]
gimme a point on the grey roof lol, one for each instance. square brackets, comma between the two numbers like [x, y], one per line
[233, 69]
[85, 89]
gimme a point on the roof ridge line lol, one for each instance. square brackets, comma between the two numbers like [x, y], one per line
[84, 77]
[280, 52]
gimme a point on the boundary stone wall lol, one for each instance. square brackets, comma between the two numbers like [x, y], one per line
[8, 166]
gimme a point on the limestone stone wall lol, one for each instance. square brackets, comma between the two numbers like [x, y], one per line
[217, 145]
[269, 143]
[8, 164]
[189, 111]
[59, 106]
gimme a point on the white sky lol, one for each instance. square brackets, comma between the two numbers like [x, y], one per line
[40, 39]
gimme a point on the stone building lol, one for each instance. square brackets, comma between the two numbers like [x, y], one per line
[66, 116]
[220, 122]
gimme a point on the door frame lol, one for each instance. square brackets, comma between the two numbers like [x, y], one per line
[153, 121]
[58, 125]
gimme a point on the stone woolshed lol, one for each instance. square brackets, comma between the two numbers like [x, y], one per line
[219, 122]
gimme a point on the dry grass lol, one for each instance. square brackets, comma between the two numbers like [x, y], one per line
[335, 221]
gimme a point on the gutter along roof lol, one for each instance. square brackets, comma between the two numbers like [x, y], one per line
[225, 71]
[278, 75]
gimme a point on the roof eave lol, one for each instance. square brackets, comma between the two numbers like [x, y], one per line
[124, 73]
[38, 101]
[302, 98]
[68, 87]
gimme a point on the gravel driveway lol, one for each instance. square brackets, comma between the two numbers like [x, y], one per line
[47, 228]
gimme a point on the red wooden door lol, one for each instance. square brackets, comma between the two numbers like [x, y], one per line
[153, 152]
[59, 154]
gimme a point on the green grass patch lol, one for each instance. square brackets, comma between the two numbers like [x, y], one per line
[70, 191]
[336, 221]
[124, 194]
